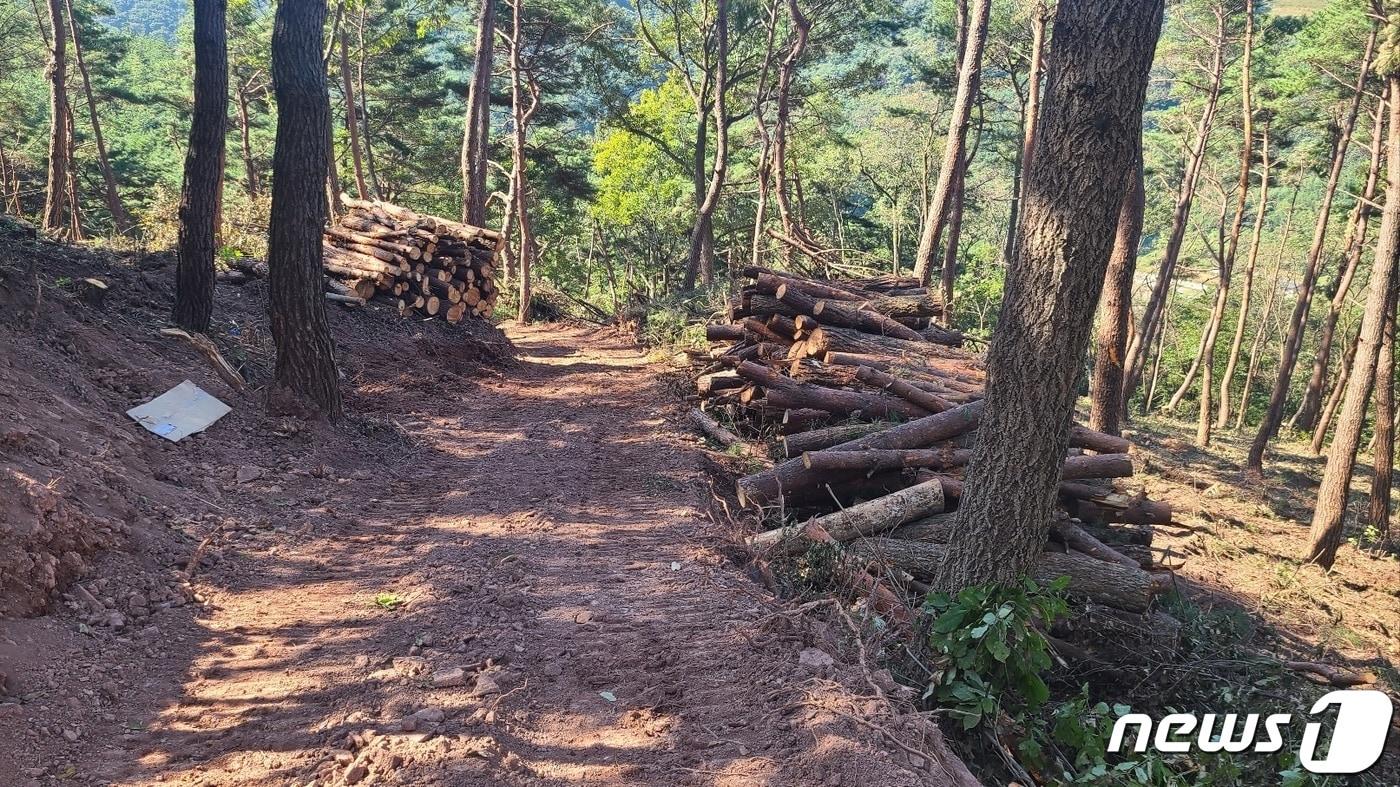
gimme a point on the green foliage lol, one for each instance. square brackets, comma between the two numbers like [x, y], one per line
[991, 653]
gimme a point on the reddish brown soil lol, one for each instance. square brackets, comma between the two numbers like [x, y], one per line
[541, 525]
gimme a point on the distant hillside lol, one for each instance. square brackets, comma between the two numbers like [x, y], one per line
[158, 18]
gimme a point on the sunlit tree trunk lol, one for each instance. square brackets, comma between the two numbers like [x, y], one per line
[1266, 317]
[1355, 245]
[1040, 20]
[1115, 309]
[56, 184]
[1334, 399]
[352, 121]
[1152, 315]
[702, 243]
[1383, 446]
[954, 149]
[477, 125]
[1325, 534]
[1261, 209]
[1297, 325]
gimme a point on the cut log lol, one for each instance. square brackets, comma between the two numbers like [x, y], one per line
[827, 339]
[765, 488]
[1077, 538]
[93, 293]
[859, 520]
[1114, 585]
[789, 393]
[711, 428]
[716, 332]
[927, 400]
[709, 384]
[795, 445]
[849, 316]
[883, 460]
[768, 283]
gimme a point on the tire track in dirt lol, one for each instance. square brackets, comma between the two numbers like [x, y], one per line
[543, 532]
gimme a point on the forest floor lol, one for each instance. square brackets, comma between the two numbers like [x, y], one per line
[498, 570]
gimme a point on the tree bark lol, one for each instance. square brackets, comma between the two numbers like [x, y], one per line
[863, 519]
[305, 350]
[1040, 20]
[352, 121]
[121, 219]
[1106, 405]
[1334, 399]
[204, 170]
[521, 113]
[56, 184]
[955, 146]
[1293, 341]
[476, 128]
[1222, 416]
[1152, 318]
[1325, 535]
[1092, 123]
[1378, 509]
[1306, 416]
[700, 258]
[250, 173]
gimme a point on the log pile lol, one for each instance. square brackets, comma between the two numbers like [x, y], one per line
[427, 265]
[873, 409]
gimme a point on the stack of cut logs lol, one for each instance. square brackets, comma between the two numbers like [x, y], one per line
[433, 266]
[874, 411]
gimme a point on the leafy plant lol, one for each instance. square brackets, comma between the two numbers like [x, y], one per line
[990, 650]
[389, 601]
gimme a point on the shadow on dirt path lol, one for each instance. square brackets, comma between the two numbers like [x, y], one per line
[527, 593]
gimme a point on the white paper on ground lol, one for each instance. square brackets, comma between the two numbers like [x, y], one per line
[180, 412]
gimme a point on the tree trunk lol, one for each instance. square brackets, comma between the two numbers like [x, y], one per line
[1329, 515]
[1334, 399]
[120, 218]
[1222, 416]
[1378, 510]
[700, 258]
[1227, 266]
[364, 102]
[305, 350]
[56, 185]
[250, 173]
[1355, 244]
[1092, 125]
[862, 519]
[200, 194]
[476, 127]
[955, 147]
[1293, 341]
[521, 84]
[1040, 19]
[1261, 334]
[352, 121]
[1151, 321]
[1106, 403]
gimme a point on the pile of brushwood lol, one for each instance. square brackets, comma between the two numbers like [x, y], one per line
[431, 266]
[873, 411]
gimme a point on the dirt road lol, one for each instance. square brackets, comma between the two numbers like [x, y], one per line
[525, 591]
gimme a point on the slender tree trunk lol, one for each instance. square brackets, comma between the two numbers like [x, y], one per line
[1040, 19]
[954, 149]
[1378, 510]
[1222, 415]
[9, 183]
[1266, 320]
[764, 164]
[305, 350]
[1329, 515]
[75, 215]
[1293, 341]
[476, 127]
[1211, 320]
[120, 218]
[250, 172]
[364, 101]
[524, 102]
[1115, 307]
[199, 197]
[352, 122]
[1355, 244]
[1222, 296]
[793, 219]
[1157, 357]
[1092, 124]
[702, 241]
[1152, 315]
[1334, 399]
[56, 186]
